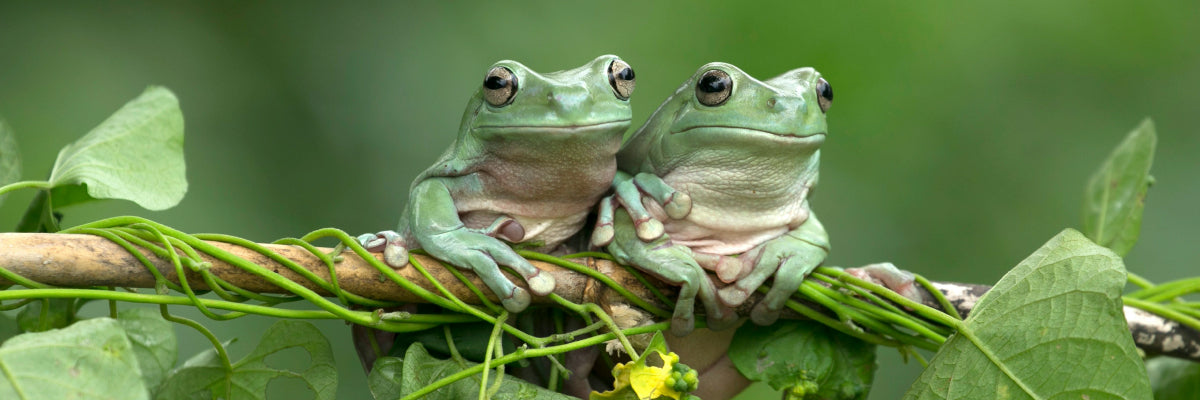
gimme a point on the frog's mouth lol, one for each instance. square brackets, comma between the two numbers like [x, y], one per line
[556, 129]
[742, 132]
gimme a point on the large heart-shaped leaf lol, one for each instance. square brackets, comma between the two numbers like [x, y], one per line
[1052, 328]
[153, 340]
[203, 376]
[136, 154]
[91, 359]
[1116, 193]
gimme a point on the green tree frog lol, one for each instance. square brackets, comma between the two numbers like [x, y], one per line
[533, 155]
[718, 178]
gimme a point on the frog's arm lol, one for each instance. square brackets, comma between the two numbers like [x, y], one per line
[673, 264]
[437, 229]
[630, 192]
[789, 258]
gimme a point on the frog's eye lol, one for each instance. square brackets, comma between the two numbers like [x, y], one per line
[499, 86]
[620, 76]
[714, 88]
[824, 95]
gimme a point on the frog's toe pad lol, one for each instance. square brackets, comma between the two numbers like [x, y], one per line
[727, 319]
[541, 283]
[897, 280]
[682, 325]
[395, 255]
[678, 206]
[602, 235]
[649, 229]
[763, 315]
[517, 302]
[732, 295]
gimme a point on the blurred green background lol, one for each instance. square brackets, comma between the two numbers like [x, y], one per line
[960, 137]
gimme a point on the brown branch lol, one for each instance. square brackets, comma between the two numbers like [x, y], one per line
[85, 260]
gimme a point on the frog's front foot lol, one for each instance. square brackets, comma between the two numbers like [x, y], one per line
[887, 275]
[630, 195]
[479, 251]
[788, 260]
[394, 246]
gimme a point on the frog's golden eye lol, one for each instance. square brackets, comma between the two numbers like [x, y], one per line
[620, 76]
[499, 87]
[714, 88]
[824, 94]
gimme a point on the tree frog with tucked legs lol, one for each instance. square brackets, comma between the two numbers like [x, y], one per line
[534, 154]
[718, 178]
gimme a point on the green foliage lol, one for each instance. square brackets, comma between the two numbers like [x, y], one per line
[1116, 193]
[394, 378]
[1173, 379]
[824, 363]
[153, 340]
[136, 154]
[248, 378]
[46, 314]
[1043, 331]
[92, 359]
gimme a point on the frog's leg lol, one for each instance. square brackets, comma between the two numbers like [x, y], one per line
[789, 258]
[630, 192]
[887, 275]
[438, 229]
[673, 264]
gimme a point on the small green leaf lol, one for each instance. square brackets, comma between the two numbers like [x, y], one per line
[203, 376]
[89, 360]
[392, 378]
[1051, 328]
[153, 340]
[136, 154]
[46, 314]
[1173, 379]
[1115, 196]
[10, 158]
[8, 327]
[804, 354]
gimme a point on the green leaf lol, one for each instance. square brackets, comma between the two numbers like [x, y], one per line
[8, 327]
[1173, 379]
[153, 340]
[203, 376]
[46, 314]
[89, 360]
[805, 354]
[1051, 328]
[1116, 194]
[10, 158]
[392, 378]
[136, 154]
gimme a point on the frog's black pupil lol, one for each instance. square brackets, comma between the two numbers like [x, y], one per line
[826, 91]
[495, 82]
[713, 83]
[626, 74]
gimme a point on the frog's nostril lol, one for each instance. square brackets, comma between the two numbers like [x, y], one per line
[771, 102]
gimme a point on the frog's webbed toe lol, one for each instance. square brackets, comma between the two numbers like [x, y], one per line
[897, 280]
[395, 247]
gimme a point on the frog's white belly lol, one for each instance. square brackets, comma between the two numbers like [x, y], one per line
[730, 217]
